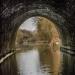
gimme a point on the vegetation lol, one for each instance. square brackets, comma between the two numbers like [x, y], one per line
[45, 33]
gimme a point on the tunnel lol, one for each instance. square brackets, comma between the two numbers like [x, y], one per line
[14, 13]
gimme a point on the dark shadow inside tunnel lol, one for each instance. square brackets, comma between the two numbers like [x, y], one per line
[58, 33]
[59, 24]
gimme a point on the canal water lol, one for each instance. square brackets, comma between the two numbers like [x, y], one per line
[34, 61]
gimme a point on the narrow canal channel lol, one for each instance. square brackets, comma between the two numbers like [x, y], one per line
[29, 63]
[34, 61]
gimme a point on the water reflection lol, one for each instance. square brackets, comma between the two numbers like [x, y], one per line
[33, 62]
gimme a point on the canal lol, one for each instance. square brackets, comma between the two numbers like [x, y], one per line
[33, 62]
[36, 61]
[38, 51]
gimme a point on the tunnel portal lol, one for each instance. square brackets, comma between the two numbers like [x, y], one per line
[14, 13]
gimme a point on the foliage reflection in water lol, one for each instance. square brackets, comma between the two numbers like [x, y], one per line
[34, 62]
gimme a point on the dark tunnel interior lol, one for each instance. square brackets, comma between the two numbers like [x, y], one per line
[14, 12]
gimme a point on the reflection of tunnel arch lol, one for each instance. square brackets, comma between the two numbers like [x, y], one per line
[45, 12]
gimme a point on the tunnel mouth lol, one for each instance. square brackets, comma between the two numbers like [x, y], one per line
[43, 35]
[40, 29]
[46, 12]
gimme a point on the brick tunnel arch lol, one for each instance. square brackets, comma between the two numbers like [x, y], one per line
[24, 13]
[50, 14]
[55, 38]
[47, 12]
